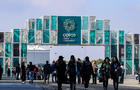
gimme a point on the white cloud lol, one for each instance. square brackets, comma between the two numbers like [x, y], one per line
[60, 7]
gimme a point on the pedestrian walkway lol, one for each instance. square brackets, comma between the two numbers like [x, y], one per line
[129, 84]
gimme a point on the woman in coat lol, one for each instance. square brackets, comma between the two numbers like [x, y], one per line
[105, 72]
[115, 72]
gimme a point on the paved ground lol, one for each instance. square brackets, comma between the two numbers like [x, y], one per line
[129, 84]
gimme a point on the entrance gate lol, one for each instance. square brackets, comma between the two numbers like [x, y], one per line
[69, 30]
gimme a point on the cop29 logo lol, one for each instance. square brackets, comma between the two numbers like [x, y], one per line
[69, 25]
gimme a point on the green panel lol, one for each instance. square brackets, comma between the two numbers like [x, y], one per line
[47, 23]
[107, 37]
[107, 51]
[128, 51]
[128, 66]
[136, 64]
[31, 36]
[92, 37]
[113, 50]
[85, 23]
[114, 38]
[1, 61]
[46, 36]
[99, 37]
[38, 24]
[15, 61]
[7, 49]
[16, 36]
[23, 50]
[85, 37]
[121, 37]
[53, 22]
[99, 24]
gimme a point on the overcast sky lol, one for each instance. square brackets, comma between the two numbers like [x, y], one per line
[124, 14]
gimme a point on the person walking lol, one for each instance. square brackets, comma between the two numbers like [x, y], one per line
[105, 72]
[53, 72]
[60, 71]
[23, 72]
[94, 75]
[115, 72]
[79, 68]
[31, 72]
[72, 66]
[1, 72]
[122, 73]
[17, 71]
[47, 71]
[87, 71]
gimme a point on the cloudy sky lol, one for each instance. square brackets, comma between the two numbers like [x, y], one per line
[124, 14]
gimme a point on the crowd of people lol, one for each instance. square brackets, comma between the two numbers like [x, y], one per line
[75, 71]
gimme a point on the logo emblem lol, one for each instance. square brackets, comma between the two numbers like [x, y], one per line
[69, 25]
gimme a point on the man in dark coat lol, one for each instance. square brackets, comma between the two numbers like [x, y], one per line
[47, 71]
[72, 72]
[31, 72]
[87, 71]
[60, 71]
[23, 72]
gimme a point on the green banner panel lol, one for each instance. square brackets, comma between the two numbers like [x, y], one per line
[99, 37]
[1, 61]
[15, 61]
[46, 36]
[31, 36]
[99, 24]
[113, 50]
[107, 51]
[106, 37]
[128, 51]
[128, 66]
[113, 37]
[92, 20]
[85, 23]
[38, 24]
[136, 64]
[53, 22]
[121, 37]
[7, 49]
[69, 30]
[85, 37]
[47, 23]
[92, 37]
[23, 50]
[16, 34]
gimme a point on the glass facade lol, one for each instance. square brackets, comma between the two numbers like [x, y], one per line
[1, 61]
[128, 51]
[15, 61]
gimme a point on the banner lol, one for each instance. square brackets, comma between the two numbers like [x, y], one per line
[69, 30]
